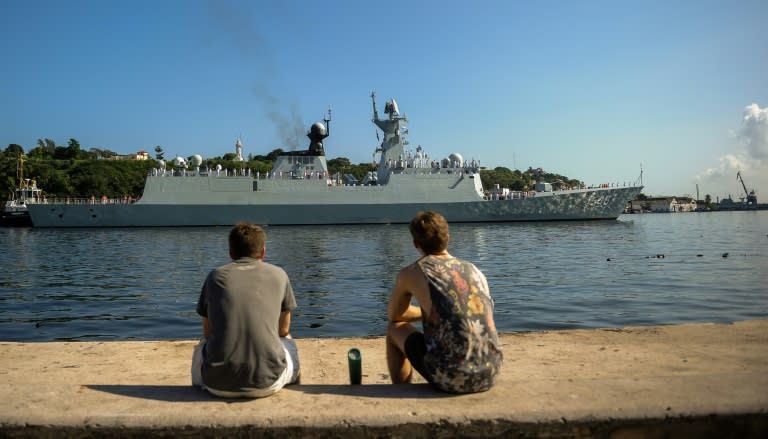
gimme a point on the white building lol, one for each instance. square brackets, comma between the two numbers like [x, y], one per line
[667, 204]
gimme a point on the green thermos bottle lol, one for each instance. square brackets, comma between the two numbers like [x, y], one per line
[355, 366]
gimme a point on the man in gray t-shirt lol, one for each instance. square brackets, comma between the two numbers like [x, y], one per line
[246, 350]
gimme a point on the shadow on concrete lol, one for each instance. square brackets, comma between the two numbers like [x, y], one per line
[193, 394]
[373, 390]
[161, 393]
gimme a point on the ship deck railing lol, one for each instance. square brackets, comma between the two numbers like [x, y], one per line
[92, 200]
[310, 175]
[519, 195]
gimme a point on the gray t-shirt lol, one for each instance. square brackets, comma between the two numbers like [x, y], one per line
[243, 301]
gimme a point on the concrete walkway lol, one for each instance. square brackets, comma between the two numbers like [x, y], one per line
[701, 380]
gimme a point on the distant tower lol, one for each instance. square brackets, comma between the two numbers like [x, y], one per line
[239, 150]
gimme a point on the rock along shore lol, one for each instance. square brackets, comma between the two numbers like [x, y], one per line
[693, 380]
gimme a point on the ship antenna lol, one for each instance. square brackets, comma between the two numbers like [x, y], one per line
[328, 122]
[373, 100]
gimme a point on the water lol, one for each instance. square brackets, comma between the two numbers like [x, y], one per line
[143, 284]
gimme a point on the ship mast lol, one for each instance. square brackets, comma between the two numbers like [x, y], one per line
[392, 146]
[375, 112]
[328, 122]
[20, 171]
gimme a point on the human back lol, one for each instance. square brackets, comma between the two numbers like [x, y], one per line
[459, 350]
[246, 349]
[463, 350]
[244, 299]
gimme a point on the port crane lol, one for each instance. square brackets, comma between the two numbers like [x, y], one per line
[751, 197]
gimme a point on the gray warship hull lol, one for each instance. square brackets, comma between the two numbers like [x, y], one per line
[595, 204]
[300, 191]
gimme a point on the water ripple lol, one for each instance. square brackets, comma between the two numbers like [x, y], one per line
[135, 284]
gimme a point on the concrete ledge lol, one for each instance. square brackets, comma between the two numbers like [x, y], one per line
[701, 380]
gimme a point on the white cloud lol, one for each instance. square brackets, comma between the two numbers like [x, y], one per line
[729, 165]
[754, 131]
[750, 156]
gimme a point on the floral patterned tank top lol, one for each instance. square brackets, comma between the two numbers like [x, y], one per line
[463, 351]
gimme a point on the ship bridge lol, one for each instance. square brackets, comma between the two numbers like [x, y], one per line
[307, 163]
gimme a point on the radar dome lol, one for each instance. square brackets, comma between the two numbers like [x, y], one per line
[161, 164]
[197, 160]
[318, 128]
[456, 157]
[179, 162]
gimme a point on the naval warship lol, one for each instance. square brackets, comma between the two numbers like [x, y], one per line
[300, 191]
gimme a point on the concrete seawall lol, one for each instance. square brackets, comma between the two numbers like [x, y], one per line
[697, 380]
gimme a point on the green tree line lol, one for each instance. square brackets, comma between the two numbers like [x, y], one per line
[70, 171]
[524, 180]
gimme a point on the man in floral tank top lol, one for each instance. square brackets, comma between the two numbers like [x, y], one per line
[459, 350]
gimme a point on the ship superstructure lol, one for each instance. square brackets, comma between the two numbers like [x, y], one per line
[15, 213]
[300, 191]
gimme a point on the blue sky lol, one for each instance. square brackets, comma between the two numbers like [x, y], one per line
[588, 89]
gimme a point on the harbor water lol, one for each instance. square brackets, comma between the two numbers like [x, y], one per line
[143, 283]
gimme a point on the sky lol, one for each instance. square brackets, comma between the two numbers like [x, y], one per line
[593, 90]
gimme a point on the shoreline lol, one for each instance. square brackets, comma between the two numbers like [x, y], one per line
[676, 379]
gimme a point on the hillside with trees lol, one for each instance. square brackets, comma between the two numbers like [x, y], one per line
[70, 171]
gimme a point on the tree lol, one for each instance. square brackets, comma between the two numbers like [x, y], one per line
[159, 154]
[45, 149]
[49, 147]
[70, 172]
[54, 182]
[361, 169]
[73, 149]
[107, 177]
[61, 153]
[14, 150]
[523, 181]
[274, 154]
[708, 201]
[505, 178]
[339, 165]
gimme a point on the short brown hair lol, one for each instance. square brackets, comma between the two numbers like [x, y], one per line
[246, 239]
[430, 232]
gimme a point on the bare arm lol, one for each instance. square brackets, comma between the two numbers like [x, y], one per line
[400, 308]
[284, 324]
[206, 331]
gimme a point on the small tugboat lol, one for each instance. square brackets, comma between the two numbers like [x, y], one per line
[15, 212]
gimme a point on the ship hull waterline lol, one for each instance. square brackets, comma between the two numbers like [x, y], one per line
[567, 206]
[15, 219]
